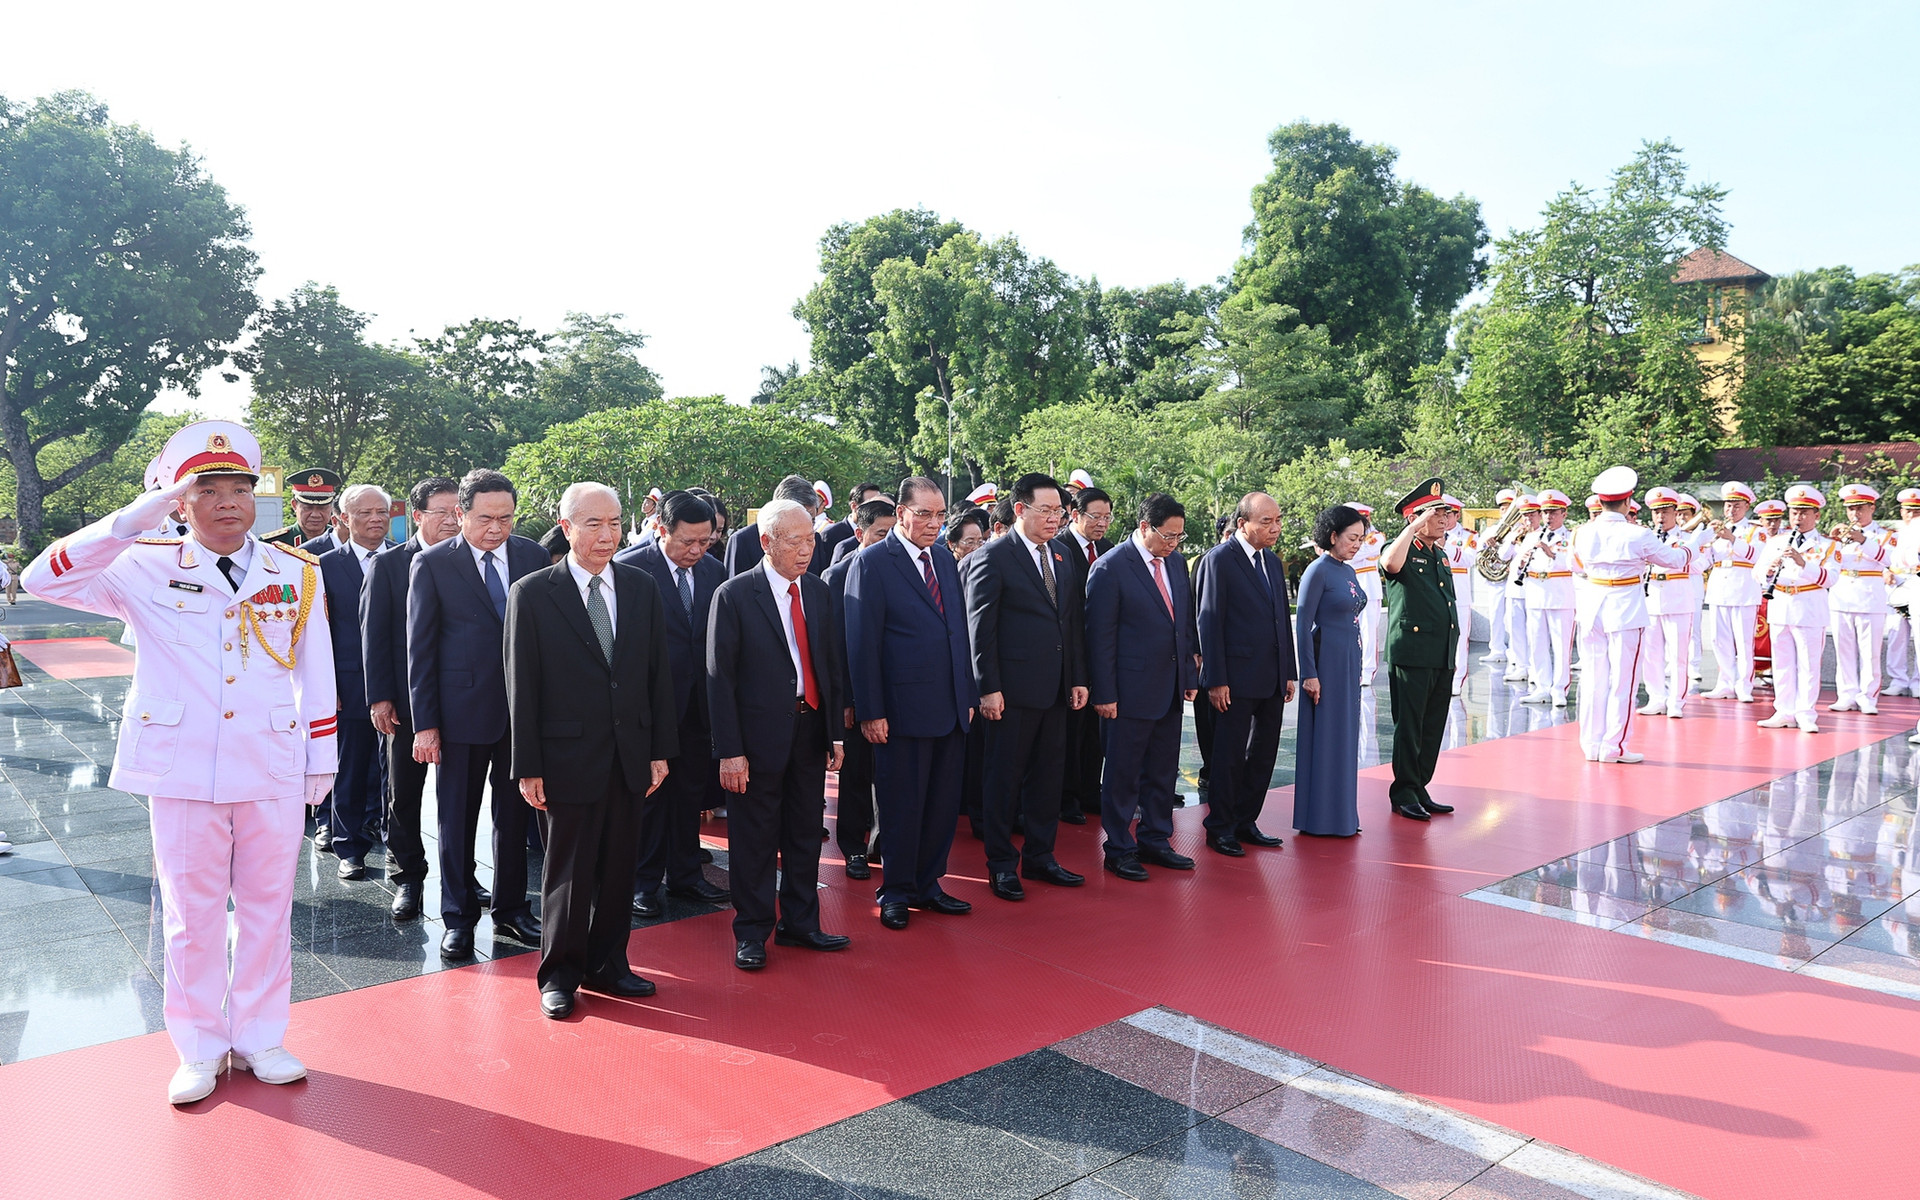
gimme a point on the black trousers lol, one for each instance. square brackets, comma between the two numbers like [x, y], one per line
[1203, 739]
[1143, 764]
[917, 783]
[1080, 784]
[1420, 699]
[465, 771]
[585, 892]
[358, 788]
[853, 827]
[776, 822]
[1246, 740]
[1021, 778]
[406, 785]
[670, 832]
[973, 779]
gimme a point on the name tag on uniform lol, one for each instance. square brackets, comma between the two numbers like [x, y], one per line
[184, 586]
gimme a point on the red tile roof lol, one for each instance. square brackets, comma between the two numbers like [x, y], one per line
[1749, 463]
[1715, 266]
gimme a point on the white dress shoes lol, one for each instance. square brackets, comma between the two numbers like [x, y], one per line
[1631, 756]
[274, 1065]
[1869, 709]
[1841, 706]
[1675, 712]
[1719, 693]
[1808, 724]
[194, 1080]
[1776, 721]
[1651, 710]
[1538, 696]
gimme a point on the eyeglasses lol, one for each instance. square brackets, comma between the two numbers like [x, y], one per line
[1171, 539]
[930, 514]
[1047, 512]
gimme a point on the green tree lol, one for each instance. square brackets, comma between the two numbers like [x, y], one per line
[1278, 378]
[126, 271]
[322, 394]
[1135, 338]
[775, 380]
[1831, 358]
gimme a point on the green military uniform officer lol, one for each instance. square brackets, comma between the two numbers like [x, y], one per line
[1422, 636]
[315, 491]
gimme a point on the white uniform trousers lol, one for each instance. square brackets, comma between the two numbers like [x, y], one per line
[1664, 660]
[1694, 641]
[1463, 615]
[1371, 618]
[1607, 687]
[1899, 651]
[1497, 623]
[205, 853]
[1517, 656]
[1796, 669]
[1733, 647]
[1550, 647]
[1856, 653]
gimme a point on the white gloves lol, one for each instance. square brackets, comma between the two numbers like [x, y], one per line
[144, 514]
[317, 787]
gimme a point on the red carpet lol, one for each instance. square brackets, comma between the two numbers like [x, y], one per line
[76, 658]
[1705, 1073]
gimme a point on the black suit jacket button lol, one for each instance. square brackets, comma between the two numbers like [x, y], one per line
[614, 683]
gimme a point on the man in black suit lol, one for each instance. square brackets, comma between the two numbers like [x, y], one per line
[456, 679]
[435, 501]
[360, 786]
[773, 686]
[1024, 624]
[687, 576]
[854, 823]
[586, 751]
[743, 547]
[843, 530]
[1247, 669]
[1084, 541]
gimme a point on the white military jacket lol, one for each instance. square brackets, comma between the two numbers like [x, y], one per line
[1902, 562]
[233, 695]
[1366, 564]
[1613, 553]
[1463, 552]
[1545, 555]
[1676, 591]
[1799, 593]
[1736, 582]
[1861, 586]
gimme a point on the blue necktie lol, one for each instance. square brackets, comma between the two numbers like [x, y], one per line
[1260, 569]
[686, 591]
[494, 587]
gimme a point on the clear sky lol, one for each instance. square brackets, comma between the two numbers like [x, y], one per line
[678, 163]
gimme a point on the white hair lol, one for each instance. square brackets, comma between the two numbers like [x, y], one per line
[575, 493]
[360, 489]
[778, 511]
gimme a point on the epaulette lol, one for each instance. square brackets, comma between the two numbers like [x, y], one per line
[159, 541]
[281, 536]
[297, 552]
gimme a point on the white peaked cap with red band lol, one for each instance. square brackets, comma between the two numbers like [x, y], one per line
[1505, 496]
[1859, 493]
[1909, 497]
[1736, 491]
[1687, 500]
[1365, 510]
[1554, 498]
[1453, 502]
[1616, 484]
[825, 492]
[1079, 478]
[1805, 495]
[209, 448]
[985, 494]
[1662, 497]
[1593, 502]
[1770, 508]
[1529, 503]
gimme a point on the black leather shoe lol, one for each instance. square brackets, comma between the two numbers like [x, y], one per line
[482, 897]
[406, 902]
[521, 927]
[322, 839]
[647, 905]
[706, 855]
[556, 1004]
[1074, 817]
[456, 943]
[749, 956]
[1250, 835]
[627, 987]
[702, 891]
[893, 914]
[811, 939]
[1053, 873]
[1434, 806]
[1006, 885]
[1413, 811]
[1127, 866]
[1225, 844]
[351, 868]
[1165, 858]
[857, 867]
[940, 902]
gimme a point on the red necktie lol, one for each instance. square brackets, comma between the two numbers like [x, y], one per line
[1093, 552]
[933, 584]
[808, 686]
[1160, 578]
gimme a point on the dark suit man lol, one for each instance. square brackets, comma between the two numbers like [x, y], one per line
[1247, 669]
[1024, 627]
[773, 686]
[383, 622]
[914, 696]
[1083, 541]
[854, 819]
[456, 679]
[1140, 661]
[743, 546]
[846, 529]
[686, 576]
[587, 751]
[360, 786]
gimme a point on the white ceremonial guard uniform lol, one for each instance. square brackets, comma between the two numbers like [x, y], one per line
[1550, 613]
[1858, 603]
[1797, 617]
[232, 707]
[1462, 550]
[1733, 604]
[1497, 614]
[1514, 591]
[1901, 592]
[1673, 600]
[1366, 564]
[1613, 553]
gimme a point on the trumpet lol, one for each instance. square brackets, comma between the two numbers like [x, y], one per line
[1489, 564]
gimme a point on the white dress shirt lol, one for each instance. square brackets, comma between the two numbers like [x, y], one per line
[582, 577]
[783, 604]
[1034, 551]
[364, 556]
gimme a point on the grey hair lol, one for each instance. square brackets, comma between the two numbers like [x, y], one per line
[778, 511]
[797, 489]
[575, 493]
[360, 489]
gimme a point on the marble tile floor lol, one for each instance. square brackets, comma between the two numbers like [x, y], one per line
[1160, 1105]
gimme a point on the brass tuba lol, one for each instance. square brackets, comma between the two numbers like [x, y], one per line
[1490, 565]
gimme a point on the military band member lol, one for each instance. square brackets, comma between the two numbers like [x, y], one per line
[1672, 603]
[1798, 565]
[1497, 619]
[1515, 590]
[1547, 556]
[1733, 595]
[1901, 590]
[1613, 554]
[1862, 551]
[1366, 564]
[1462, 549]
[1594, 507]
[229, 728]
[1421, 639]
[314, 491]
[1688, 509]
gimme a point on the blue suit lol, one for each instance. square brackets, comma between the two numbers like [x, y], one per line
[670, 828]
[383, 651]
[1142, 660]
[1246, 646]
[360, 786]
[909, 662]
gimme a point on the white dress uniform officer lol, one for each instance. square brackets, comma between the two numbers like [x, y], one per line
[1366, 565]
[228, 727]
[1799, 565]
[1863, 550]
[1613, 555]
[1688, 509]
[1733, 596]
[1671, 605]
[1550, 608]
[1515, 589]
[1903, 587]
[1462, 549]
[1497, 619]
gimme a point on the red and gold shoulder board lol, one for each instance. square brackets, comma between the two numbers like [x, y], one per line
[297, 552]
[159, 541]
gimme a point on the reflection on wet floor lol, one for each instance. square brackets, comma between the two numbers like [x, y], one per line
[1817, 872]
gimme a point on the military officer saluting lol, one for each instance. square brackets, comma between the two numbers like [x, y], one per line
[228, 727]
[315, 492]
[1422, 638]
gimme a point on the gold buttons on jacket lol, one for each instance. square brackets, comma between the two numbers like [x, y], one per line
[229, 679]
[146, 716]
[228, 714]
[229, 645]
[1416, 629]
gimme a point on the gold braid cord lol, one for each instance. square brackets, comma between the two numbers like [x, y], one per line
[250, 619]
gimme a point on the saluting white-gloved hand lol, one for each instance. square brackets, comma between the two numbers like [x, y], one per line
[143, 515]
[317, 788]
